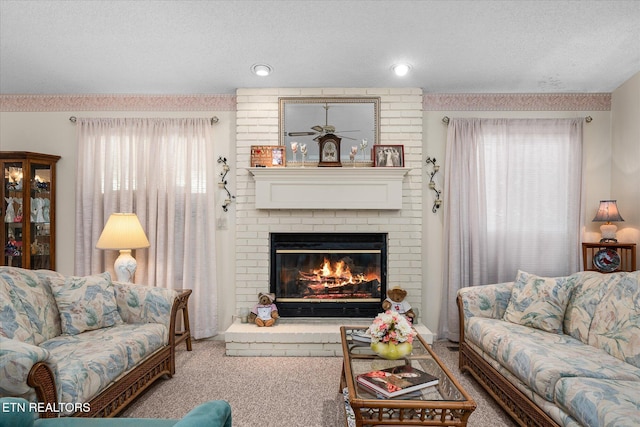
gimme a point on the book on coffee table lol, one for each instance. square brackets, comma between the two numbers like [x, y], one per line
[397, 381]
[361, 336]
[369, 393]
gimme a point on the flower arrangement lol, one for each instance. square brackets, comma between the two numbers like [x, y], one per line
[391, 327]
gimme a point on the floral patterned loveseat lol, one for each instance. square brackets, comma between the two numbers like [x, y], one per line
[86, 345]
[559, 351]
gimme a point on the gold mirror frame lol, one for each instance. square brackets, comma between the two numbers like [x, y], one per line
[350, 118]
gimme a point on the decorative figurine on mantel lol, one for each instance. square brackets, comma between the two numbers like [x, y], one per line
[265, 312]
[303, 150]
[395, 302]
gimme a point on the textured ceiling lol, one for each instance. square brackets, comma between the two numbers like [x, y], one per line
[208, 47]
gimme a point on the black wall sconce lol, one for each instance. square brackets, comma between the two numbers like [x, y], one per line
[432, 184]
[223, 183]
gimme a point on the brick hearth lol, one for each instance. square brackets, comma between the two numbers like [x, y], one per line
[295, 337]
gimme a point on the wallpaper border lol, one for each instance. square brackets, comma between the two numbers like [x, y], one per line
[430, 102]
[52, 103]
[516, 102]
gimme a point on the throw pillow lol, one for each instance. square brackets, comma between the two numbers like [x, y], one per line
[616, 321]
[539, 302]
[85, 303]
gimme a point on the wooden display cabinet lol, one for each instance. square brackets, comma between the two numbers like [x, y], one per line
[626, 253]
[28, 209]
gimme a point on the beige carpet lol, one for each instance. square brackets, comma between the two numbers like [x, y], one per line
[276, 391]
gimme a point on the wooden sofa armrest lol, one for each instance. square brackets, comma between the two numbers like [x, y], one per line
[461, 321]
[42, 380]
[176, 336]
[181, 304]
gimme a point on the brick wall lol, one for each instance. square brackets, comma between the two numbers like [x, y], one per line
[257, 124]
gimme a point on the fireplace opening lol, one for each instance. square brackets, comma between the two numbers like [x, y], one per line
[328, 274]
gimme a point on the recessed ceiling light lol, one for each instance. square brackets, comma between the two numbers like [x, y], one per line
[261, 70]
[401, 69]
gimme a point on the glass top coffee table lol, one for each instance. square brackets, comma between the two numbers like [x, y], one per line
[444, 404]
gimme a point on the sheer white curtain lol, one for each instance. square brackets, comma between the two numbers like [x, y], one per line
[164, 171]
[513, 200]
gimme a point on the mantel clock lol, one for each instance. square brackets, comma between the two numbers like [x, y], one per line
[329, 147]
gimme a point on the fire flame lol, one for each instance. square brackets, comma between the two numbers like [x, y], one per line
[332, 280]
[338, 274]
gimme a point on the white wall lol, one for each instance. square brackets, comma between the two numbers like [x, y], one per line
[625, 165]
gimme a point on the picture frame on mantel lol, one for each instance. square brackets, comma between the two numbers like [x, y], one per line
[388, 156]
[268, 156]
[305, 120]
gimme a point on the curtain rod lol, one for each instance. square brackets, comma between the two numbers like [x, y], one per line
[445, 119]
[214, 119]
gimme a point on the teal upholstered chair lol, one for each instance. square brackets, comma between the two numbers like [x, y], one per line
[215, 413]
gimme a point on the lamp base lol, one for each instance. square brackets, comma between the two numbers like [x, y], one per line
[608, 231]
[125, 266]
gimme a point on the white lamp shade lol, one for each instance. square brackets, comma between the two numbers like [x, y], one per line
[123, 231]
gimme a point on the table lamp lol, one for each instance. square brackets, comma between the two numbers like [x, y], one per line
[607, 212]
[123, 232]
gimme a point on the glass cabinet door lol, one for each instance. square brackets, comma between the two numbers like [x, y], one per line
[40, 221]
[28, 201]
[13, 199]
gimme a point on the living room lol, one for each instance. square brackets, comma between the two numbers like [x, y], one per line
[247, 114]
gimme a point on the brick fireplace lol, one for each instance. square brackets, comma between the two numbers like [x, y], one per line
[257, 124]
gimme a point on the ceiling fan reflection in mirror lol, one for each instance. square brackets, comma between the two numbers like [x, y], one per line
[320, 131]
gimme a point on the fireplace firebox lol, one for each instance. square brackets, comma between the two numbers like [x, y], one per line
[328, 274]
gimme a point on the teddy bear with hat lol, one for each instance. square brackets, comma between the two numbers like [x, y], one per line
[265, 312]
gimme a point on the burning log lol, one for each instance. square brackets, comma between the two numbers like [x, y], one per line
[335, 297]
[333, 280]
[342, 288]
[314, 278]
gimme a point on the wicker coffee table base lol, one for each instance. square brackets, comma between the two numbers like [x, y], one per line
[414, 416]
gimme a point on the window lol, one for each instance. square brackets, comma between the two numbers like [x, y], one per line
[159, 169]
[513, 201]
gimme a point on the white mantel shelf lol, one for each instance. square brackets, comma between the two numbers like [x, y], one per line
[329, 188]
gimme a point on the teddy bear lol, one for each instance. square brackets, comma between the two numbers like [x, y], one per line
[395, 301]
[265, 312]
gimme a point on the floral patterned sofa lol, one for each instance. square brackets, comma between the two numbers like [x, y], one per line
[86, 345]
[559, 351]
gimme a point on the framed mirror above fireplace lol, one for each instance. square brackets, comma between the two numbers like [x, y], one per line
[328, 274]
[304, 120]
